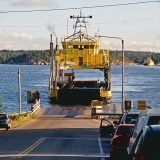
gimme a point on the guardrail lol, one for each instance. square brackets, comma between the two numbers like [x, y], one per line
[35, 107]
[98, 112]
[94, 115]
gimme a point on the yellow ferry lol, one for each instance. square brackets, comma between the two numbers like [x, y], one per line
[148, 62]
[80, 52]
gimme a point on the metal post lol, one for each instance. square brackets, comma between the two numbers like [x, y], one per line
[123, 76]
[122, 68]
[19, 91]
[67, 27]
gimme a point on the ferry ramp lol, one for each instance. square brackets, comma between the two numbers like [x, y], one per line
[66, 112]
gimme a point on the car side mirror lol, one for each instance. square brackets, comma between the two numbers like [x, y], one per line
[115, 122]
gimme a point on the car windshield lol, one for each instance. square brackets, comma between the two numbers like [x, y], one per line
[125, 130]
[3, 116]
[131, 118]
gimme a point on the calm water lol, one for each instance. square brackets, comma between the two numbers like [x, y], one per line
[140, 83]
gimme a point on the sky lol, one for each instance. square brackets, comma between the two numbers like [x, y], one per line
[27, 24]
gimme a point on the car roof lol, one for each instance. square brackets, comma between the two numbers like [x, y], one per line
[150, 111]
[133, 112]
[126, 125]
[154, 128]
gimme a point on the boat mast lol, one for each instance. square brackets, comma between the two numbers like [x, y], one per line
[80, 22]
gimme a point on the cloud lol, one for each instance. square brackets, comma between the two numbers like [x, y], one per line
[158, 37]
[22, 41]
[142, 46]
[28, 3]
[16, 41]
[132, 45]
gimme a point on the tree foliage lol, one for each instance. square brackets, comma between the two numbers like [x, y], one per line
[24, 56]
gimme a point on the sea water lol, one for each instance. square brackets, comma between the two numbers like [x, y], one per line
[140, 83]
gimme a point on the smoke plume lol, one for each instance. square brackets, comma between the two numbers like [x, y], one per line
[51, 28]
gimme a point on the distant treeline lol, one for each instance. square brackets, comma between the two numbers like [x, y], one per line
[22, 56]
[135, 56]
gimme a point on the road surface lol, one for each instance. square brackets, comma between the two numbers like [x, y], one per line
[55, 133]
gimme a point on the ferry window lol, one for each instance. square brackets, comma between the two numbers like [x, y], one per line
[70, 46]
[101, 51]
[64, 46]
[81, 47]
[86, 46]
[92, 46]
[75, 46]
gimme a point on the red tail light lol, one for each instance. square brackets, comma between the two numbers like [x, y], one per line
[141, 157]
[120, 140]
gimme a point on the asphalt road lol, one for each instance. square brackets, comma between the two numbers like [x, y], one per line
[55, 134]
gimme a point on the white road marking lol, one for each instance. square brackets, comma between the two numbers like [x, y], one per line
[100, 147]
[26, 153]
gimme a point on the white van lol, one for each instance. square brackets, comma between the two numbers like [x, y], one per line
[146, 117]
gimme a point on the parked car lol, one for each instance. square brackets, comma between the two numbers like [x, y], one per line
[120, 140]
[146, 117]
[5, 121]
[128, 118]
[146, 146]
[107, 128]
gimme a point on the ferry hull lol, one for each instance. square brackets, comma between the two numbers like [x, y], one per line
[76, 96]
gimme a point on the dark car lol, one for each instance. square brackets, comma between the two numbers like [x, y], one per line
[147, 144]
[120, 140]
[5, 121]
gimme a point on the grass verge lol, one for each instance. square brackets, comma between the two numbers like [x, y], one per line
[20, 118]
